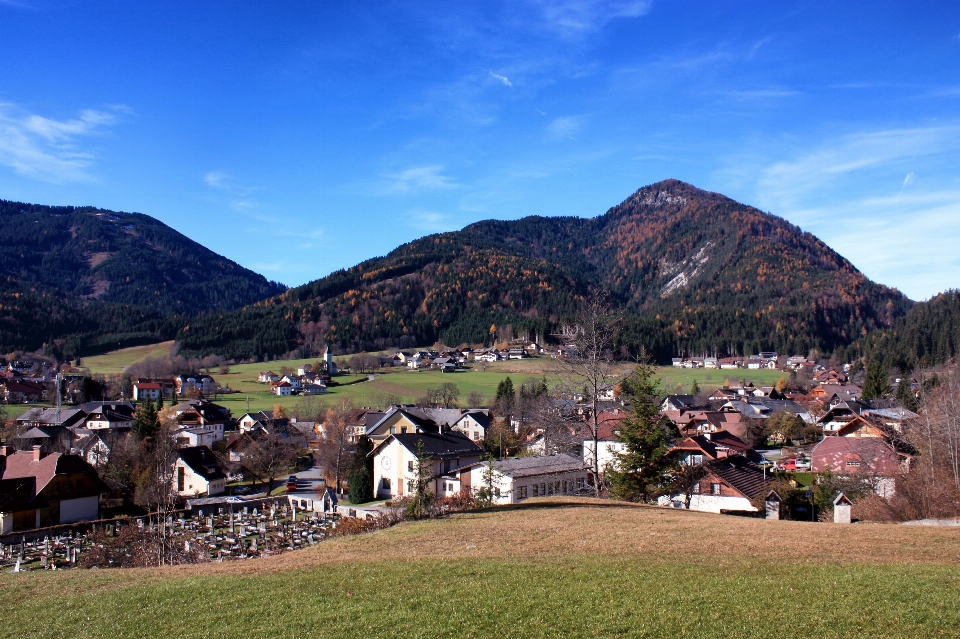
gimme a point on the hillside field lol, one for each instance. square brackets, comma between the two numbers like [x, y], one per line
[551, 568]
[114, 362]
[404, 384]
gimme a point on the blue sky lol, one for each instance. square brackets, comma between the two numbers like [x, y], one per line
[301, 137]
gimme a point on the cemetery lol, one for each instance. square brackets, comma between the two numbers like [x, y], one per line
[215, 532]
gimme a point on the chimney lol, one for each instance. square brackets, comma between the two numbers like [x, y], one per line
[37, 453]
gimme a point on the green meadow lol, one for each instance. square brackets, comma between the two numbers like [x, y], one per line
[406, 385]
[549, 569]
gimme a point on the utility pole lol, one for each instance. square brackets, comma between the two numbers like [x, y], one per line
[59, 382]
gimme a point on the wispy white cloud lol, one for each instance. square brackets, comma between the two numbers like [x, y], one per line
[565, 127]
[502, 78]
[859, 193]
[17, 3]
[216, 179]
[906, 182]
[420, 178]
[48, 149]
[230, 186]
[763, 94]
[787, 182]
[579, 17]
[430, 221]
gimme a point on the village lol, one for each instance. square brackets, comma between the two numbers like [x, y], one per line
[231, 486]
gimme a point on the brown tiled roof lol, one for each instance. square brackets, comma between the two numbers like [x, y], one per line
[20, 465]
[873, 454]
[740, 474]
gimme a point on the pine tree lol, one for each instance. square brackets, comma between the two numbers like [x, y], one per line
[694, 387]
[361, 454]
[643, 467]
[145, 421]
[905, 396]
[419, 506]
[506, 396]
[875, 383]
[361, 486]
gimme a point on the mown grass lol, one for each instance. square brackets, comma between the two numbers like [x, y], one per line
[556, 568]
[115, 361]
[570, 597]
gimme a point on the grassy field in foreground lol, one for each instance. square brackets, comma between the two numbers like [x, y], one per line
[557, 568]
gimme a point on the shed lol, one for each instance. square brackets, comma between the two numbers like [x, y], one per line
[773, 504]
[841, 509]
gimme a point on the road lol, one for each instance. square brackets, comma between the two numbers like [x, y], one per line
[307, 481]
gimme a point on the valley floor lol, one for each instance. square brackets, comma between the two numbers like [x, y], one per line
[552, 568]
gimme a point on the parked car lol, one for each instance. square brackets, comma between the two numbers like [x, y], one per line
[241, 490]
[793, 465]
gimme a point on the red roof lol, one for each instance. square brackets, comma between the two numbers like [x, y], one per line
[147, 386]
[608, 422]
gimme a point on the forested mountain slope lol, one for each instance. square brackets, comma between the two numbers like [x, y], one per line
[926, 336]
[694, 272]
[78, 276]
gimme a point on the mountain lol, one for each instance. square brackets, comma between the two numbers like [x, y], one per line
[929, 334]
[79, 278]
[693, 271]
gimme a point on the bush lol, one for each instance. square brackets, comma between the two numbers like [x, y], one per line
[361, 486]
[135, 547]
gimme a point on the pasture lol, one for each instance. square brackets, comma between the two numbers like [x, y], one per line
[551, 568]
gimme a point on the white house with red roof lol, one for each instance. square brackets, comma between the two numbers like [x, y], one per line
[146, 390]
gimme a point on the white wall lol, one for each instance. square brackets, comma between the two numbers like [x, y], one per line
[708, 503]
[6, 523]
[82, 509]
[607, 451]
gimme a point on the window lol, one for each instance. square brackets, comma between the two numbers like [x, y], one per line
[853, 463]
[476, 435]
[556, 487]
[403, 430]
[543, 489]
[496, 491]
[714, 489]
[522, 492]
[696, 488]
[536, 490]
[410, 466]
[580, 483]
[564, 486]
[180, 478]
[696, 460]
[386, 483]
[409, 485]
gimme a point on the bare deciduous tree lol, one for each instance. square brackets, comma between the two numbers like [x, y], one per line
[268, 456]
[335, 454]
[590, 366]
